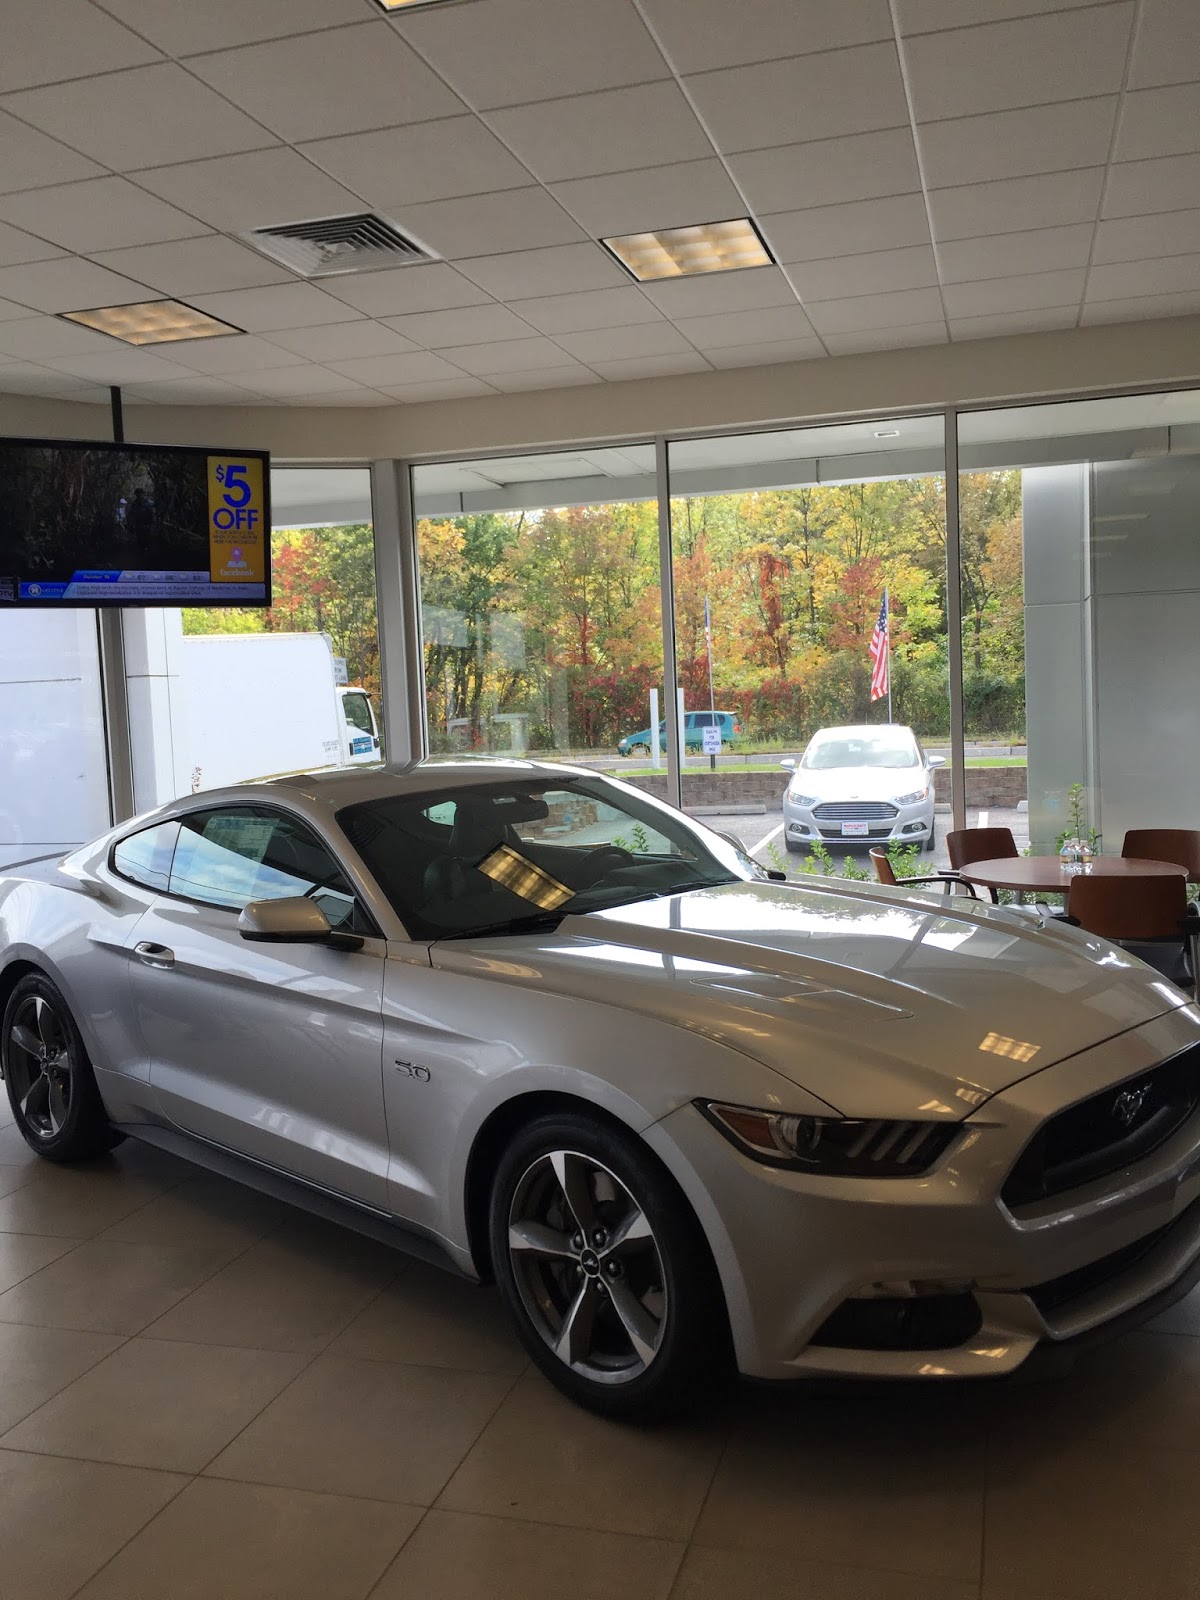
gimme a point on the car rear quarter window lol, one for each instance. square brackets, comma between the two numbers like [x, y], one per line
[145, 857]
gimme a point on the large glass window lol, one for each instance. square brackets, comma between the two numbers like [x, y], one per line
[1081, 580]
[540, 602]
[810, 605]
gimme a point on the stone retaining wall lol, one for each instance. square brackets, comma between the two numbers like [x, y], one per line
[1001, 787]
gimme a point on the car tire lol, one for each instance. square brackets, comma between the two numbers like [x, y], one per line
[794, 847]
[51, 1086]
[621, 1306]
[931, 842]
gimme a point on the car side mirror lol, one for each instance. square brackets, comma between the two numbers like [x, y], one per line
[788, 763]
[294, 920]
[936, 761]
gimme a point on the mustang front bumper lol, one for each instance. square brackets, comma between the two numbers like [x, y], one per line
[796, 1252]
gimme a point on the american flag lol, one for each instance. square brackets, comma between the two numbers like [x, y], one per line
[880, 652]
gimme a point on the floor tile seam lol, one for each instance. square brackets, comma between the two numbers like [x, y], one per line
[124, 1340]
[479, 1433]
[428, 1366]
[819, 1565]
[97, 1461]
[559, 1527]
[137, 1532]
[207, 1475]
[925, 1574]
[708, 1488]
[72, 1246]
[396, 1554]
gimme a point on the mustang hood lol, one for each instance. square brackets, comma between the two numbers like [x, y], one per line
[874, 1001]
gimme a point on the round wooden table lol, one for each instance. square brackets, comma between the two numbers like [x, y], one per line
[1044, 874]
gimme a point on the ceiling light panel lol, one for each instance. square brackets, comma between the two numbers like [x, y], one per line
[152, 322]
[400, 5]
[686, 252]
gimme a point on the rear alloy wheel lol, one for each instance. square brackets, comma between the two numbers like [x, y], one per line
[604, 1269]
[51, 1087]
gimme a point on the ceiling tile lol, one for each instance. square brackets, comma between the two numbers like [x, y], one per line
[622, 344]
[655, 197]
[420, 367]
[1035, 61]
[463, 388]
[10, 311]
[594, 308]
[746, 327]
[1174, 233]
[1022, 292]
[259, 190]
[1139, 280]
[1137, 310]
[872, 273]
[284, 382]
[1159, 122]
[767, 355]
[1167, 46]
[651, 367]
[492, 60]
[918, 333]
[183, 29]
[145, 116]
[875, 311]
[424, 161]
[806, 97]
[930, 16]
[1137, 188]
[357, 396]
[1010, 322]
[24, 377]
[513, 219]
[324, 83]
[16, 247]
[43, 338]
[69, 39]
[997, 255]
[509, 355]
[701, 34]
[281, 305]
[1051, 199]
[118, 363]
[30, 160]
[401, 290]
[751, 289]
[845, 230]
[98, 214]
[188, 391]
[233, 354]
[523, 273]
[1013, 144]
[614, 130]
[440, 330]
[195, 266]
[343, 341]
[68, 284]
[544, 378]
[861, 166]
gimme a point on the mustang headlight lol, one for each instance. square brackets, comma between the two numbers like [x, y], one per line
[802, 799]
[911, 799]
[835, 1146]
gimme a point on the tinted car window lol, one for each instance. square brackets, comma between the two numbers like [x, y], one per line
[358, 712]
[145, 857]
[233, 855]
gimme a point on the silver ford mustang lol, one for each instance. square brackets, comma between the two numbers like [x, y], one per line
[533, 1023]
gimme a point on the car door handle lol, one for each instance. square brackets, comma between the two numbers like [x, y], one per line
[154, 955]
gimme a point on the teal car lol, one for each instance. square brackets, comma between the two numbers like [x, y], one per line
[694, 724]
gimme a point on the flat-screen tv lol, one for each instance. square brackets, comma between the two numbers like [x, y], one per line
[93, 524]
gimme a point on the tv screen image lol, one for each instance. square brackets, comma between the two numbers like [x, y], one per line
[88, 524]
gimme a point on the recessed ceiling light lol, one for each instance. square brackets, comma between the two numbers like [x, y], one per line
[152, 322]
[681, 252]
[887, 433]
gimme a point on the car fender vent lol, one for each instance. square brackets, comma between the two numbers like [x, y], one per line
[334, 245]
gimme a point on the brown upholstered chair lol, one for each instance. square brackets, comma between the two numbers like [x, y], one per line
[881, 861]
[1144, 911]
[1178, 845]
[965, 845]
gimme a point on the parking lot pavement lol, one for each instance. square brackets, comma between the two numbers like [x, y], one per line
[762, 836]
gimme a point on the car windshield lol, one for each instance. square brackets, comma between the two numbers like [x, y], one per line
[859, 750]
[515, 856]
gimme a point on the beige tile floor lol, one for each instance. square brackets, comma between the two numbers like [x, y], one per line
[205, 1396]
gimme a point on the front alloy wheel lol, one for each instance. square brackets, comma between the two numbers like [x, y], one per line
[605, 1270]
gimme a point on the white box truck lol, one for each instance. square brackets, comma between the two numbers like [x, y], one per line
[262, 704]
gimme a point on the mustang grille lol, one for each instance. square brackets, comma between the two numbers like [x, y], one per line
[1107, 1131]
[855, 811]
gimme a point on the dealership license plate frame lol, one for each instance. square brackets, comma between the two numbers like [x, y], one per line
[856, 830]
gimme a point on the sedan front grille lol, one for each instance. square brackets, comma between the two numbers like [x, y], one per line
[1107, 1131]
[855, 811]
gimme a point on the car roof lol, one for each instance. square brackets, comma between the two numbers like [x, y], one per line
[348, 786]
[865, 730]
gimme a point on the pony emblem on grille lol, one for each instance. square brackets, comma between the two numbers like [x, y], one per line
[1128, 1105]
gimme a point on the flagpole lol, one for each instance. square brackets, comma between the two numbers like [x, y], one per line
[888, 642]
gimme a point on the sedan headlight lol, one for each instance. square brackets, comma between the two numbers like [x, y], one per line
[833, 1146]
[801, 799]
[911, 799]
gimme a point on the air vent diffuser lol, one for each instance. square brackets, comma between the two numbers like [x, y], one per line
[333, 245]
